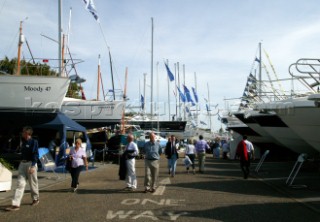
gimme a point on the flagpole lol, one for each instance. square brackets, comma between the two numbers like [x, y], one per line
[179, 88]
[175, 88]
[168, 93]
[184, 83]
[209, 106]
[139, 97]
[197, 107]
[151, 99]
[144, 92]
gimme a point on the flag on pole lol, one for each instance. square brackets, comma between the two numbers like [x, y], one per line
[170, 75]
[183, 98]
[195, 94]
[188, 95]
[142, 102]
[91, 8]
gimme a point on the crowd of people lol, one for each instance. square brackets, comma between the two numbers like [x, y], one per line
[77, 162]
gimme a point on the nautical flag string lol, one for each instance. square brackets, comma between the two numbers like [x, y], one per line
[91, 8]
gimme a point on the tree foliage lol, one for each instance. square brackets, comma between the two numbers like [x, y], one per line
[27, 68]
[8, 66]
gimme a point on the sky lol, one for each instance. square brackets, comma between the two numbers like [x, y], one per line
[216, 41]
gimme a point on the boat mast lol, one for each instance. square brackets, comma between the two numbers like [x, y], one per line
[99, 77]
[151, 68]
[122, 130]
[260, 73]
[209, 111]
[59, 38]
[114, 96]
[21, 40]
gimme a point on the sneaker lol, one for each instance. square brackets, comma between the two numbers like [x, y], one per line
[147, 190]
[12, 208]
[153, 190]
[75, 189]
[35, 202]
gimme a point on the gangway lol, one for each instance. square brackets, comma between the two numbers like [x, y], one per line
[296, 168]
[261, 160]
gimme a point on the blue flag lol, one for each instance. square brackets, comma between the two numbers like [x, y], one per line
[170, 75]
[91, 8]
[188, 95]
[183, 98]
[195, 94]
[142, 102]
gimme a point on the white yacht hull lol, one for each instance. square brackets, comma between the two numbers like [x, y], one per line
[32, 93]
[291, 132]
[303, 118]
[93, 114]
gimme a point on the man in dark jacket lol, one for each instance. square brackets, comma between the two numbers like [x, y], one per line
[172, 155]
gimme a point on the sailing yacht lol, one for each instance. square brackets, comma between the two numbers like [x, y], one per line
[26, 100]
[93, 114]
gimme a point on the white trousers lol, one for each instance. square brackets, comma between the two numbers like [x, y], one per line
[131, 178]
[23, 176]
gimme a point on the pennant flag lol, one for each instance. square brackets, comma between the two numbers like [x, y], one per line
[183, 98]
[142, 102]
[188, 95]
[257, 60]
[170, 75]
[203, 123]
[195, 94]
[91, 8]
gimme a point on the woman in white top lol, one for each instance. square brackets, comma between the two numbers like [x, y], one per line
[190, 152]
[79, 159]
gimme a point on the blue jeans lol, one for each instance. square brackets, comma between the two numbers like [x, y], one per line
[173, 164]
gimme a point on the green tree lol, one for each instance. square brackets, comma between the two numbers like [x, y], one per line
[8, 66]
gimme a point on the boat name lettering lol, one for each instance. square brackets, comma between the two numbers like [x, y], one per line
[36, 88]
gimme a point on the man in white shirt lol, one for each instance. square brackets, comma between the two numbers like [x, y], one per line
[131, 152]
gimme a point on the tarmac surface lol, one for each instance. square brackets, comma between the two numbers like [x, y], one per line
[220, 194]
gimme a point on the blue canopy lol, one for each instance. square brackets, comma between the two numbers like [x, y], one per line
[62, 123]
